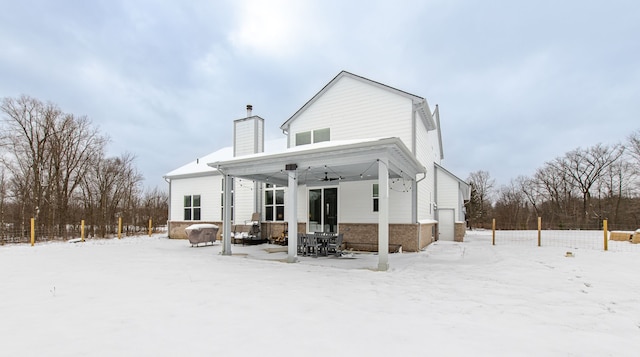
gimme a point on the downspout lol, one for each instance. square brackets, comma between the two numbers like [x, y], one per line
[415, 184]
[169, 208]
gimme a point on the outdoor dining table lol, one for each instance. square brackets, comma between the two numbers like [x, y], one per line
[323, 238]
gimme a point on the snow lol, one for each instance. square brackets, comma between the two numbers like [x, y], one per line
[153, 296]
[199, 226]
[200, 166]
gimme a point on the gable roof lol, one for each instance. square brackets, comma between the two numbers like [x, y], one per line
[464, 185]
[436, 115]
[420, 104]
[199, 167]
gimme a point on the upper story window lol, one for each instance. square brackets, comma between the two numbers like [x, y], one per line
[321, 135]
[273, 203]
[192, 208]
[315, 136]
[303, 138]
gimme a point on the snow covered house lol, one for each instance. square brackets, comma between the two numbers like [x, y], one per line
[360, 158]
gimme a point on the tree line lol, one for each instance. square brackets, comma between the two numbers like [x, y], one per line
[575, 191]
[54, 168]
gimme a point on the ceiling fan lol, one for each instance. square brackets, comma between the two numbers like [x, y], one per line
[327, 178]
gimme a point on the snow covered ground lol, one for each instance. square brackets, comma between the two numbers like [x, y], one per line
[160, 297]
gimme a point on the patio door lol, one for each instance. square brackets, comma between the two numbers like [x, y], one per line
[323, 210]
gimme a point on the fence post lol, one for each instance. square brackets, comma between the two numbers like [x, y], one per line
[493, 232]
[539, 231]
[150, 227]
[119, 227]
[33, 231]
[82, 230]
[606, 235]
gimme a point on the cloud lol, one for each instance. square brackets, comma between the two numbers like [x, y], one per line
[276, 29]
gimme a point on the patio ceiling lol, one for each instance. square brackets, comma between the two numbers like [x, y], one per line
[326, 163]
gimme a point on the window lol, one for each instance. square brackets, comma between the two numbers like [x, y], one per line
[303, 138]
[273, 203]
[192, 208]
[375, 197]
[222, 201]
[319, 136]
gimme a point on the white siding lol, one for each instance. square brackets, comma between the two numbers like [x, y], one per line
[248, 138]
[356, 203]
[356, 110]
[208, 187]
[243, 197]
[448, 194]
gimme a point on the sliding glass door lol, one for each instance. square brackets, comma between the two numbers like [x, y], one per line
[323, 210]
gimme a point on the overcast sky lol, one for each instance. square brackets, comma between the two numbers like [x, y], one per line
[518, 82]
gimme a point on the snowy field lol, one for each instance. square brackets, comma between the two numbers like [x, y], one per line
[160, 297]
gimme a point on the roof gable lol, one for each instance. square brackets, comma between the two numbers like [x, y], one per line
[420, 104]
[464, 185]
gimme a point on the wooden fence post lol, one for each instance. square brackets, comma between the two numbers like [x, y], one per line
[119, 227]
[539, 231]
[493, 232]
[33, 231]
[82, 230]
[150, 227]
[606, 235]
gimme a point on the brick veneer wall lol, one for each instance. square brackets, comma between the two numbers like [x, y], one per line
[364, 236]
[459, 231]
[412, 237]
[426, 235]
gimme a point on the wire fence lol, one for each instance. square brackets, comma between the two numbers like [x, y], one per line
[598, 238]
[36, 234]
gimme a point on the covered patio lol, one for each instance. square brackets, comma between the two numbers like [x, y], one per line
[354, 160]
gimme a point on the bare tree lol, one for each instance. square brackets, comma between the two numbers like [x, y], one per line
[510, 207]
[109, 187]
[3, 202]
[28, 126]
[558, 195]
[54, 169]
[633, 146]
[74, 145]
[481, 188]
[585, 168]
[155, 206]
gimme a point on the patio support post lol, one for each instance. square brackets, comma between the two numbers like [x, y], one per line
[292, 208]
[226, 224]
[383, 214]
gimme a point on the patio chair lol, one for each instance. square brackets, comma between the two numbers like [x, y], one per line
[335, 245]
[313, 246]
[302, 243]
[239, 234]
[254, 231]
